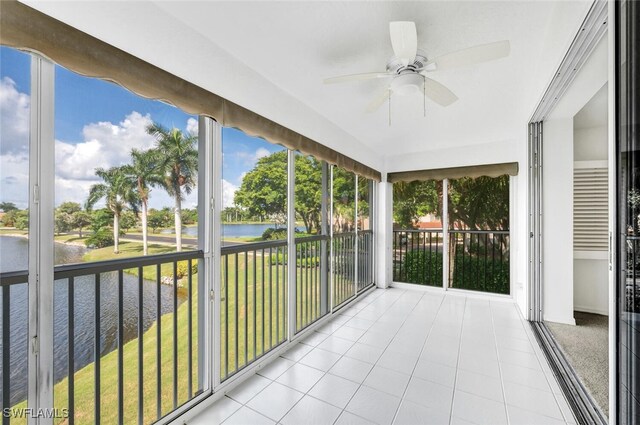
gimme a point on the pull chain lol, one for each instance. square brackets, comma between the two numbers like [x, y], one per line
[424, 93]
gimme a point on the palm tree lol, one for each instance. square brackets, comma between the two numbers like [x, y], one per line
[178, 155]
[118, 192]
[145, 172]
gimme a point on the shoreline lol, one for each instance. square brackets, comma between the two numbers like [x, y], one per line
[24, 236]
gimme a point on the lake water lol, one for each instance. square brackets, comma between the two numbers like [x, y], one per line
[232, 230]
[14, 256]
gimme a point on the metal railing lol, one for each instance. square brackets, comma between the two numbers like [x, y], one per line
[311, 278]
[417, 256]
[343, 271]
[479, 260]
[98, 287]
[365, 259]
[253, 310]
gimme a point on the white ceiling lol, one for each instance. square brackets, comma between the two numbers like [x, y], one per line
[272, 57]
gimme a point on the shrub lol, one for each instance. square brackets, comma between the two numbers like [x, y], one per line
[100, 239]
[423, 267]
[183, 269]
[273, 234]
[474, 273]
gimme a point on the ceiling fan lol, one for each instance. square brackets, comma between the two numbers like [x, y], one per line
[409, 67]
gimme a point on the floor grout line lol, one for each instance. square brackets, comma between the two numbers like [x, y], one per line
[455, 379]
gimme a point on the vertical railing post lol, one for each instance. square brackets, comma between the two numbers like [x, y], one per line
[445, 233]
[356, 243]
[324, 221]
[291, 244]
[331, 242]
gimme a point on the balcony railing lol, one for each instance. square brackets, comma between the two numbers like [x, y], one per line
[417, 256]
[95, 323]
[343, 262]
[311, 280]
[126, 331]
[253, 309]
[477, 260]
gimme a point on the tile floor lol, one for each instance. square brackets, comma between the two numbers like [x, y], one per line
[401, 356]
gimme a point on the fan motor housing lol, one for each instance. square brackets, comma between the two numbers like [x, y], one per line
[407, 83]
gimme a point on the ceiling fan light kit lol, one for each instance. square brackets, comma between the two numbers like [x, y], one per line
[409, 66]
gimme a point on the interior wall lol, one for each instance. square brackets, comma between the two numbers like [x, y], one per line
[591, 268]
[557, 228]
[558, 157]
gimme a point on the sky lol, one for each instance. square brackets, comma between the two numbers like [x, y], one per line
[97, 123]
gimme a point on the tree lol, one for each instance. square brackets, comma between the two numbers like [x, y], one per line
[412, 200]
[263, 191]
[118, 191]
[128, 220]
[69, 207]
[8, 206]
[159, 218]
[22, 219]
[80, 220]
[101, 219]
[146, 171]
[61, 222]
[308, 191]
[9, 218]
[178, 155]
[344, 197]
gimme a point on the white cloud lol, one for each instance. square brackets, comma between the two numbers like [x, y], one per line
[105, 145]
[14, 118]
[14, 179]
[192, 126]
[228, 192]
[261, 153]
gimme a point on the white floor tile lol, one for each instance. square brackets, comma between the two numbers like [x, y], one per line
[246, 416]
[320, 359]
[335, 345]
[276, 368]
[275, 401]
[346, 332]
[400, 362]
[300, 377]
[249, 388]
[311, 411]
[478, 410]
[347, 418]
[429, 394]
[314, 339]
[374, 405]
[412, 413]
[434, 372]
[387, 380]
[525, 376]
[217, 413]
[334, 390]
[351, 369]
[297, 352]
[396, 357]
[480, 385]
[518, 416]
[537, 401]
[365, 353]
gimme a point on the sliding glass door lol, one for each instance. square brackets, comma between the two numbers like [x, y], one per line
[628, 210]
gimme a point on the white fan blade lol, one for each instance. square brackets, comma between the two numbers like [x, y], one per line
[357, 77]
[471, 56]
[404, 41]
[379, 100]
[439, 93]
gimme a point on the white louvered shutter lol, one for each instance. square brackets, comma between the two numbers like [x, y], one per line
[590, 207]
